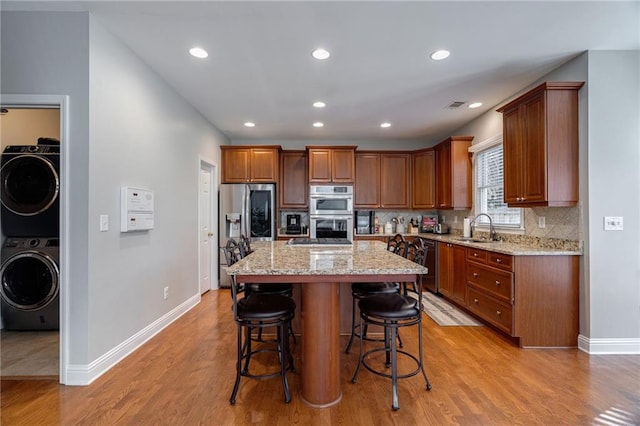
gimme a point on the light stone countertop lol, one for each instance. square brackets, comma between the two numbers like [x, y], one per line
[360, 258]
[545, 248]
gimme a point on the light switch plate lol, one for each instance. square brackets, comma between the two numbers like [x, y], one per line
[613, 223]
[104, 222]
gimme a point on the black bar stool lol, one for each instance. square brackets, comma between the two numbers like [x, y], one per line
[393, 312]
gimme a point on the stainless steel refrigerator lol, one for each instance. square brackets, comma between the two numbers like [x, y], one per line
[245, 209]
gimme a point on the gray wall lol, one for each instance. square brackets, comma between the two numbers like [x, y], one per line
[127, 127]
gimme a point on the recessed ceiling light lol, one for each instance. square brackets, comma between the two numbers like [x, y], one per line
[318, 124]
[475, 105]
[198, 52]
[249, 124]
[320, 54]
[319, 104]
[385, 125]
[439, 55]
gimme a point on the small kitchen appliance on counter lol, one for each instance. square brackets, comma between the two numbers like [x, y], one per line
[428, 223]
[294, 226]
[441, 228]
[365, 221]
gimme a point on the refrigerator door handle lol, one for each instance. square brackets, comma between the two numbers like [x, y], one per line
[246, 207]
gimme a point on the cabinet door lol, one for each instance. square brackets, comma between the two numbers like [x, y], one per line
[395, 185]
[443, 176]
[534, 170]
[423, 182]
[320, 165]
[367, 182]
[445, 269]
[512, 152]
[264, 165]
[342, 165]
[235, 165]
[458, 273]
[294, 190]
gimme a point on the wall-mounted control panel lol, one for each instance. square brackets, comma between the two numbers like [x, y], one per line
[137, 212]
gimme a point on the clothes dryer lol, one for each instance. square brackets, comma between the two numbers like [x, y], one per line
[30, 278]
[29, 193]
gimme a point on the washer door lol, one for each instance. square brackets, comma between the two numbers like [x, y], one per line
[30, 184]
[29, 280]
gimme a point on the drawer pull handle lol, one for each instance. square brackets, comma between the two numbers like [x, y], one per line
[498, 283]
[475, 275]
[498, 260]
[475, 300]
[498, 313]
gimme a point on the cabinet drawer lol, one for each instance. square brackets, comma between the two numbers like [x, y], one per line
[498, 283]
[477, 255]
[499, 260]
[498, 314]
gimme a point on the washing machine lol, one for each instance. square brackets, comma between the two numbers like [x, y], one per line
[30, 291]
[30, 191]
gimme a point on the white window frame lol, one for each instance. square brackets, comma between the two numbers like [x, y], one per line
[483, 222]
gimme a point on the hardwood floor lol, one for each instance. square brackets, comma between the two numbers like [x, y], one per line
[184, 376]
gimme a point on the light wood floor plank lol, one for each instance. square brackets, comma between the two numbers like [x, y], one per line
[184, 376]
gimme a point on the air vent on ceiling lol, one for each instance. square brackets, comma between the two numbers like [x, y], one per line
[455, 104]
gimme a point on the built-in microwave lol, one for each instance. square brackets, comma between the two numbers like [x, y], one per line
[331, 200]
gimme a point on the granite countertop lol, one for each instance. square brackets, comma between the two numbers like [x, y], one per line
[531, 248]
[360, 258]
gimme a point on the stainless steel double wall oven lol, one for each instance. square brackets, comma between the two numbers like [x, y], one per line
[331, 211]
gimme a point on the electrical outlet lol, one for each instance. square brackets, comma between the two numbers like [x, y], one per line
[542, 222]
[166, 293]
[613, 223]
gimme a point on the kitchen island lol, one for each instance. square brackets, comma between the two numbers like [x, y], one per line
[320, 269]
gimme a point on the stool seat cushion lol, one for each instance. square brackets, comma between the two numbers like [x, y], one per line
[366, 289]
[262, 307]
[393, 306]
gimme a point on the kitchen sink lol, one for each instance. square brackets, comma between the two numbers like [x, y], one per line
[474, 240]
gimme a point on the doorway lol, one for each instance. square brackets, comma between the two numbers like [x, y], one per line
[39, 120]
[207, 226]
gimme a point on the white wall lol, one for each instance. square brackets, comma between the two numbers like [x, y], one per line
[143, 135]
[377, 145]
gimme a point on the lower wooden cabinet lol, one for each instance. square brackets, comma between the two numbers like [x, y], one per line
[531, 298]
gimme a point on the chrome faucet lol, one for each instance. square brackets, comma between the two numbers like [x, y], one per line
[492, 231]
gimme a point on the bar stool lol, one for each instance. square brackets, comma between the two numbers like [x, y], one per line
[396, 244]
[261, 311]
[393, 312]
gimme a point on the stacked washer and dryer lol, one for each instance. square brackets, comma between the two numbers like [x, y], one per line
[30, 276]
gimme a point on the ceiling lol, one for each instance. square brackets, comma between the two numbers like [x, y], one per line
[260, 68]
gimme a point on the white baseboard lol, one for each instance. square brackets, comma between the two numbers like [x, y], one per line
[82, 375]
[609, 346]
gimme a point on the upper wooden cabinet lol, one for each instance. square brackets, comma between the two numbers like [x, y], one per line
[367, 182]
[242, 164]
[331, 164]
[540, 145]
[293, 192]
[453, 173]
[424, 182]
[382, 180]
[395, 180]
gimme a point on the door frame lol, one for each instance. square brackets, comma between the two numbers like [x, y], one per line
[60, 102]
[207, 163]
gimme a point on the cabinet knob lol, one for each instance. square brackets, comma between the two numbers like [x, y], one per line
[475, 300]
[498, 313]
[498, 260]
[475, 254]
[475, 275]
[498, 283]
